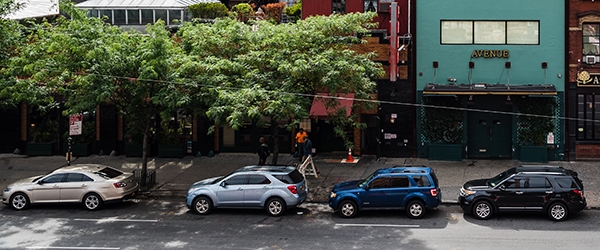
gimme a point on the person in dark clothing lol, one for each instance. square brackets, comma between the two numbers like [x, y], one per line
[307, 148]
[263, 152]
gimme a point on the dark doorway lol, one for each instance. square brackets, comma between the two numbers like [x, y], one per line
[490, 130]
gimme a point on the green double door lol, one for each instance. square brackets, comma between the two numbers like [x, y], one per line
[490, 130]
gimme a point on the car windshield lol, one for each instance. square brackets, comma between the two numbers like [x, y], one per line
[500, 177]
[366, 180]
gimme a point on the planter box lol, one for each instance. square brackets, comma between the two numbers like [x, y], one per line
[445, 152]
[172, 151]
[79, 149]
[40, 148]
[534, 154]
[134, 150]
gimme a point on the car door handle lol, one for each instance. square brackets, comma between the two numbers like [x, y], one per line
[240, 189]
[549, 192]
[56, 186]
[83, 185]
[518, 192]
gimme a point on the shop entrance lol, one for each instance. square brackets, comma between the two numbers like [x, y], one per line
[489, 133]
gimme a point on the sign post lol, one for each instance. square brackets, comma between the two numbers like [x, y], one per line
[75, 128]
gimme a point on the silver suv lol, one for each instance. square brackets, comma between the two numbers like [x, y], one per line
[273, 188]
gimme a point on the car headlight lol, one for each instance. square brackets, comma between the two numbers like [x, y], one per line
[332, 195]
[192, 189]
[7, 189]
[468, 192]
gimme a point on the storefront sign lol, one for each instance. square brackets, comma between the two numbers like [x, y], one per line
[585, 79]
[488, 53]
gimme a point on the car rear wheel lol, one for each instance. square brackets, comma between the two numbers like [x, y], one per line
[348, 209]
[275, 207]
[558, 211]
[482, 210]
[415, 209]
[19, 201]
[92, 201]
[202, 205]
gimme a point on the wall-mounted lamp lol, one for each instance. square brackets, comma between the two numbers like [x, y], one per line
[471, 65]
[471, 98]
[507, 65]
[435, 64]
[544, 65]
[508, 98]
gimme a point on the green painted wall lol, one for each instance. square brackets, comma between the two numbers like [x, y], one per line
[525, 59]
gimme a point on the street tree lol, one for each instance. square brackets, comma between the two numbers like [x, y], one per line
[89, 63]
[246, 72]
[10, 38]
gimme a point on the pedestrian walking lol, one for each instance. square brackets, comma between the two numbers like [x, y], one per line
[307, 148]
[300, 143]
[263, 152]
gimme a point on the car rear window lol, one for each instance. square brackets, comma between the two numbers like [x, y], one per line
[109, 173]
[566, 183]
[295, 176]
[421, 180]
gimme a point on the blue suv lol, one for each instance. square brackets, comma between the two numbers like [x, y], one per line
[411, 188]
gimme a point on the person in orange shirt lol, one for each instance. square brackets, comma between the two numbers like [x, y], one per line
[300, 142]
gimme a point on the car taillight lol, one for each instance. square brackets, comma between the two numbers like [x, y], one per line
[293, 189]
[578, 192]
[433, 192]
[119, 184]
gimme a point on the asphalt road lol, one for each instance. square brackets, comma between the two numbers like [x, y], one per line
[166, 224]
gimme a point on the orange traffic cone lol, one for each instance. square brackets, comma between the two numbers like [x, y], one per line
[349, 159]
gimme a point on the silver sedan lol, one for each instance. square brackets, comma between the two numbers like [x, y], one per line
[89, 184]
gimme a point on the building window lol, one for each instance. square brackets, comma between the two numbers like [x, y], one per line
[370, 5]
[147, 16]
[174, 15]
[133, 17]
[120, 17]
[587, 113]
[591, 38]
[489, 32]
[338, 6]
[93, 13]
[107, 14]
[162, 15]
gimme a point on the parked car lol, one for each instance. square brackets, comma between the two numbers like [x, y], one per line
[553, 190]
[411, 188]
[89, 184]
[273, 188]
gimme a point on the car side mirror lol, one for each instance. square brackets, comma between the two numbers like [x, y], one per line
[502, 187]
[223, 184]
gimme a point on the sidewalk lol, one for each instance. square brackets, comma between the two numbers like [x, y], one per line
[174, 176]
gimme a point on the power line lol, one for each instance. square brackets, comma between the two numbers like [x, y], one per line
[416, 105]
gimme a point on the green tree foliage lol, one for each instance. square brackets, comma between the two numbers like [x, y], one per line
[535, 120]
[442, 122]
[243, 11]
[10, 38]
[244, 72]
[208, 10]
[295, 10]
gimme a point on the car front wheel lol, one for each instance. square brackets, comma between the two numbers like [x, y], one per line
[482, 210]
[92, 201]
[348, 209]
[275, 207]
[415, 209]
[202, 205]
[558, 211]
[19, 201]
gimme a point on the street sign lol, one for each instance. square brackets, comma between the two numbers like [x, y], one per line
[75, 124]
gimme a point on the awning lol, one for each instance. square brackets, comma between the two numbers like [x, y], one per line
[319, 108]
[489, 89]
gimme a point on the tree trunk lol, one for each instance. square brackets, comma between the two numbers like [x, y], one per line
[275, 128]
[144, 174]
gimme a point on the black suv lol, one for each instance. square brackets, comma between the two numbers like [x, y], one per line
[550, 189]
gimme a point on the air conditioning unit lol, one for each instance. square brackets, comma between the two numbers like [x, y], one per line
[591, 59]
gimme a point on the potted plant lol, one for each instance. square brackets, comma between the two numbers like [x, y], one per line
[534, 122]
[171, 139]
[442, 127]
[43, 136]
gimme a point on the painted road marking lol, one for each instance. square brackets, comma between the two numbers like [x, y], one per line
[116, 220]
[89, 248]
[378, 225]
